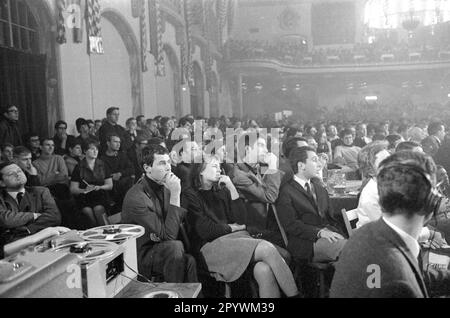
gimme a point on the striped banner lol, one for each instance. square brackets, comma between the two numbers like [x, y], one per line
[189, 18]
[144, 43]
[156, 33]
[94, 27]
[61, 22]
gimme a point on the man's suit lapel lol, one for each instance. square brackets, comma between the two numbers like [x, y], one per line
[28, 201]
[302, 190]
[396, 240]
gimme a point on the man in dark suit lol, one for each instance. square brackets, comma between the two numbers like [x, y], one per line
[154, 203]
[305, 211]
[24, 210]
[436, 135]
[381, 258]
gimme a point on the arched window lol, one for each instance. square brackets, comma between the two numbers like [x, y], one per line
[18, 27]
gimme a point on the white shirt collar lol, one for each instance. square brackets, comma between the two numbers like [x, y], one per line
[302, 182]
[14, 194]
[411, 242]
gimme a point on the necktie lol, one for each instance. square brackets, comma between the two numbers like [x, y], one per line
[308, 189]
[19, 197]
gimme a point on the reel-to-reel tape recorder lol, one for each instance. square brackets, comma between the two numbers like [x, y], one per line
[97, 263]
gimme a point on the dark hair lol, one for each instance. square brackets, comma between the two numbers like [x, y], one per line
[155, 141]
[86, 145]
[402, 186]
[407, 146]
[212, 122]
[149, 152]
[290, 144]
[3, 146]
[129, 120]
[392, 139]
[6, 108]
[346, 132]
[98, 121]
[138, 118]
[164, 120]
[90, 121]
[183, 121]
[73, 142]
[110, 110]
[45, 139]
[20, 150]
[110, 136]
[80, 122]
[297, 155]
[60, 122]
[434, 127]
[292, 131]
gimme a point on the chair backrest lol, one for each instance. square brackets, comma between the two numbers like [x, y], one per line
[350, 217]
[113, 219]
[280, 226]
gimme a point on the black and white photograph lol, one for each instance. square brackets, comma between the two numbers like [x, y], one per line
[224, 156]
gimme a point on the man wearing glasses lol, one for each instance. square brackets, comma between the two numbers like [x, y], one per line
[61, 138]
[9, 131]
[24, 210]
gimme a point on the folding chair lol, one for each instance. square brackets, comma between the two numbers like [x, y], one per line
[320, 268]
[350, 218]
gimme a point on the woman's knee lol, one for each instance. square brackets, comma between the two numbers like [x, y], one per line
[266, 250]
[262, 271]
[99, 209]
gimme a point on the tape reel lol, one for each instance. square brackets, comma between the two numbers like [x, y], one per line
[88, 251]
[162, 294]
[113, 233]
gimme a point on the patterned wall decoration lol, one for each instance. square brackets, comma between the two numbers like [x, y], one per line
[156, 33]
[94, 27]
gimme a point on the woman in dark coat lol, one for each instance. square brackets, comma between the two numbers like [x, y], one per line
[227, 248]
[90, 183]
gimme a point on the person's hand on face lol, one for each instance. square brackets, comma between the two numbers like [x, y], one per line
[172, 183]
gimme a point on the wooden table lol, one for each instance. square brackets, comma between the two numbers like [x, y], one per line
[140, 290]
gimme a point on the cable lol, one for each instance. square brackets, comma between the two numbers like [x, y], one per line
[149, 281]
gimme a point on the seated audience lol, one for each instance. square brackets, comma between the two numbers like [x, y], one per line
[9, 129]
[91, 181]
[22, 158]
[154, 203]
[33, 142]
[346, 155]
[6, 152]
[72, 159]
[61, 138]
[24, 210]
[257, 179]
[121, 169]
[52, 170]
[381, 258]
[306, 213]
[212, 203]
[83, 129]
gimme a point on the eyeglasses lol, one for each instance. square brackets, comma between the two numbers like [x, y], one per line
[62, 127]
[14, 173]
[13, 111]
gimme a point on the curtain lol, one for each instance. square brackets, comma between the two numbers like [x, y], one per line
[23, 83]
